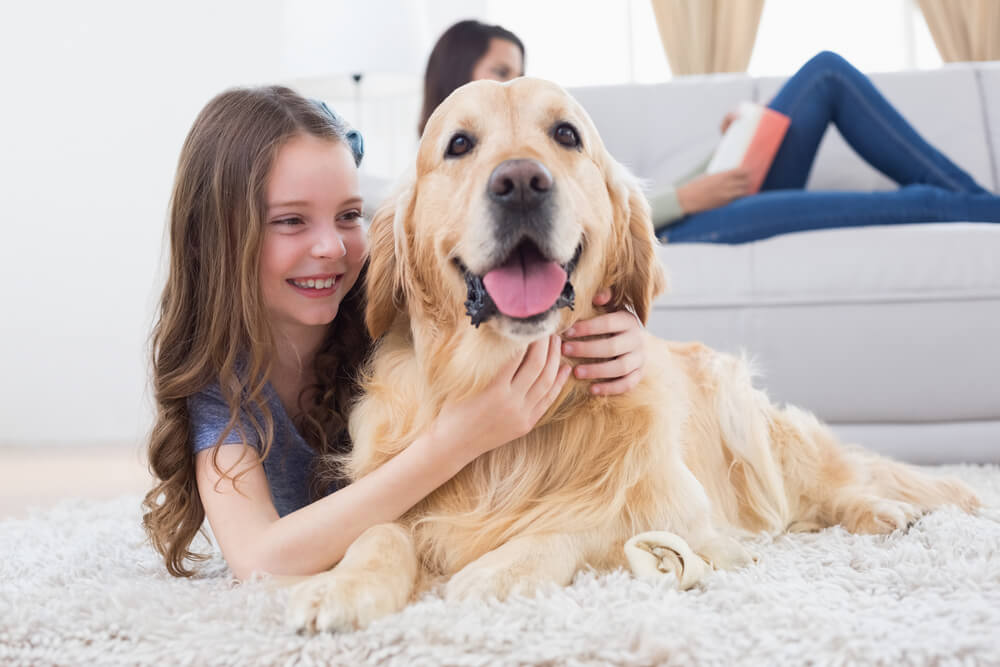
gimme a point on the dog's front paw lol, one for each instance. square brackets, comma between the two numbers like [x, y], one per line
[482, 583]
[725, 553]
[341, 602]
[878, 516]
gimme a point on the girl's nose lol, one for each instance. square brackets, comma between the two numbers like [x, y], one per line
[329, 243]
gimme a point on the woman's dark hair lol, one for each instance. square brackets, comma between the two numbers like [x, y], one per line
[453, 58]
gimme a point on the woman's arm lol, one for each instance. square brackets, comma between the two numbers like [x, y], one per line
[314, 538]
[713, 190]
[698, 191]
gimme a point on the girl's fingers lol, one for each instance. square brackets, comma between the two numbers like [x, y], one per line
[619, 386]
[604, 348]
[611, 369]
[532, 363]
[545, 379]
[602, 297]
[616, 322]
[509, 370]
[552, 394]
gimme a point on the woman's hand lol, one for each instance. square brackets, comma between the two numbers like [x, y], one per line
[509, 407]
[621, 349]
[713, 190]
[727, 120]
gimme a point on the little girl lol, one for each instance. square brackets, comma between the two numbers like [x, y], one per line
[261, 335]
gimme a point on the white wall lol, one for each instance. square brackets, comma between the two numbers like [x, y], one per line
[98, 97]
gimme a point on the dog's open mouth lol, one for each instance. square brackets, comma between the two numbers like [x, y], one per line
[524, 287]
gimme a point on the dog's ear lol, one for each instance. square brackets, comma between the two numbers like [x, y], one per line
[385, 288]
[635, 275]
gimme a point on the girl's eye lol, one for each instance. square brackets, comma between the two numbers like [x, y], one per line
[288, 221]
[352, 216]
[460, 144]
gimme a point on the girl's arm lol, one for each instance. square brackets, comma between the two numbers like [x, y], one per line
[314, 538]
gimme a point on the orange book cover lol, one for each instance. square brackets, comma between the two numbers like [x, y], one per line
[751, 141]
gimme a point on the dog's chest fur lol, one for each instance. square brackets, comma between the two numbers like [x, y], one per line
[586, 468]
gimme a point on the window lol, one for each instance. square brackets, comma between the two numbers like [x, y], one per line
[874, 36]
[595, 42]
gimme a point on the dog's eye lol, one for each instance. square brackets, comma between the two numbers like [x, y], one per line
[460, 144]
[566, 135]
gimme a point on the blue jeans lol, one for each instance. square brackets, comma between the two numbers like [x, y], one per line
[828, 89]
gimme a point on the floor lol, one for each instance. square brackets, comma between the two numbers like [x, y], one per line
[40, 476]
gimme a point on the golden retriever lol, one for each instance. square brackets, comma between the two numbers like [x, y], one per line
[514, 217]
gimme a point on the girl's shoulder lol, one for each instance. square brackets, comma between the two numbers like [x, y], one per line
[209, 415]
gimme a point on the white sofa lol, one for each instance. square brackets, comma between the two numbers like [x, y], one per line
[891, 334]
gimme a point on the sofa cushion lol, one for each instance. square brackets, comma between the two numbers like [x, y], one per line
[928, 442]
[951, 120]
[860, 324]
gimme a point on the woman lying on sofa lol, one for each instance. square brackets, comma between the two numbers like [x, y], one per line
[716, 208]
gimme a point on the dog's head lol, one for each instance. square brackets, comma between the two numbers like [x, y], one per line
[515, 212]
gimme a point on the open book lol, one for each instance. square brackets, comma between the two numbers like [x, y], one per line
[751, 141]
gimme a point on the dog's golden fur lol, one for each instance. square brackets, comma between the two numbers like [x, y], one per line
[694, 449]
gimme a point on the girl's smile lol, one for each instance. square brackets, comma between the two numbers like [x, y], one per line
[315, 287]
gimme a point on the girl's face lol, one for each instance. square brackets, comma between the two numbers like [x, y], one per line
[314, 243]
[501, 62]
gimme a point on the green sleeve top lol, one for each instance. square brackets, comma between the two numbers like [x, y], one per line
[666, 208]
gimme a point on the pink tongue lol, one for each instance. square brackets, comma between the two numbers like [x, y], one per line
[527, 284]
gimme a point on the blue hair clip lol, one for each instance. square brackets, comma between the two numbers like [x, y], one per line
[357, 143]
[353, 137]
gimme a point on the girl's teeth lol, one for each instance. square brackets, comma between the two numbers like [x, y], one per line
[315, 284]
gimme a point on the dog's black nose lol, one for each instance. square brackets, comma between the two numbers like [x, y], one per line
[520, 183]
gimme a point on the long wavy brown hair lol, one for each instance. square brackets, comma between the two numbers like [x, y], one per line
[212, 324]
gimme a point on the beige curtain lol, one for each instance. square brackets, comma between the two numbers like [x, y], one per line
[964, 29]
[704, 36]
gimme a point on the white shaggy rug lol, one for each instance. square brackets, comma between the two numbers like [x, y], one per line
[78, 586]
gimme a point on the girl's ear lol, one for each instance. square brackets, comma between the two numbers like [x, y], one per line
[636, 276]
[385, 288]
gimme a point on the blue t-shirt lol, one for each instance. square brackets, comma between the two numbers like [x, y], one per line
[289, 463]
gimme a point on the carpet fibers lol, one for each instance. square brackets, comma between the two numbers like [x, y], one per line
[78, 585]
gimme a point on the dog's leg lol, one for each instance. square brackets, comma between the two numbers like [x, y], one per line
[886, 495]
[862, 491]
[518, 567]
[720, 550]
[376, 577]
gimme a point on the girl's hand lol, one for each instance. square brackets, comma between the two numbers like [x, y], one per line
[509, 407]
[621, 349]
[713, 190]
